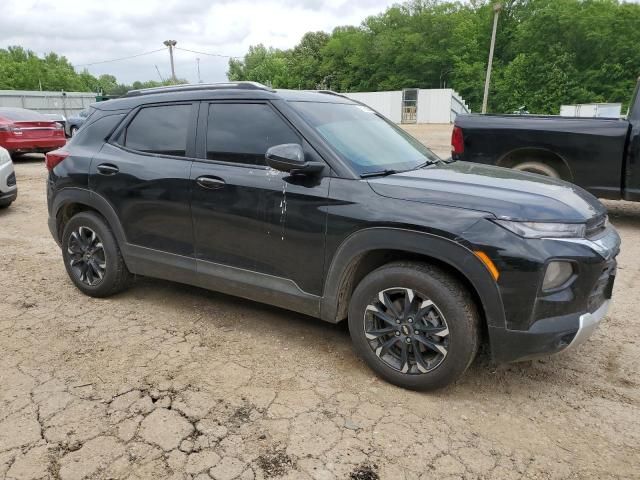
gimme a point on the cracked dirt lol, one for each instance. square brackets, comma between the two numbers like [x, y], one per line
[170, 381]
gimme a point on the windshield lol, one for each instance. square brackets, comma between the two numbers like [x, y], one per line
[368, 142]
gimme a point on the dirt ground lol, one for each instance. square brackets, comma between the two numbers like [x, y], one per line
[170, 381]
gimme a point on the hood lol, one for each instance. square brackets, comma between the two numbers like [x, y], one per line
[505, 193]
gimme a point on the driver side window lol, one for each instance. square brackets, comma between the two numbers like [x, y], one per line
[243, 132]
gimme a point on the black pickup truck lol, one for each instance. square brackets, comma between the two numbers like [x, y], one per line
[601, 155]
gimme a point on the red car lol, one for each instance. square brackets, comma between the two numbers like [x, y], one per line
[24, 131]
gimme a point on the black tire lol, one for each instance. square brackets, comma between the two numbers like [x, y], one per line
[115, 276]
[453, 311]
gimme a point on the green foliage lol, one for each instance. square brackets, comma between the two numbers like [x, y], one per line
[548, 52]
[22, 69]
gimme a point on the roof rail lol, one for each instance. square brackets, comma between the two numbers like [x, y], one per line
[330, 92]
[200, 86]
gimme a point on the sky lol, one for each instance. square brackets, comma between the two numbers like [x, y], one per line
[91, 31]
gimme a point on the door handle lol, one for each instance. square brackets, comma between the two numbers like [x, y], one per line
[108, 169]
[211, 183]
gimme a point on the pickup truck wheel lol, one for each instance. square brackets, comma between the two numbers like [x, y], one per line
[92, 256]
[537, 167]
[414, 325]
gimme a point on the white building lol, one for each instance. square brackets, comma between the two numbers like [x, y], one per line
[413, 105]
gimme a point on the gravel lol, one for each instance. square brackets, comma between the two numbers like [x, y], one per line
[171, 381]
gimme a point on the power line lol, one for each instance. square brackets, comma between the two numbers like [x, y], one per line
[205, 53]
[118, 59]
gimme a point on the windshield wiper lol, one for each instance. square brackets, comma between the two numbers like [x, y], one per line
[379, 173]
[425, 164]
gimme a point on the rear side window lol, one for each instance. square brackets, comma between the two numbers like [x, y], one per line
[161, 129]
[243, 132]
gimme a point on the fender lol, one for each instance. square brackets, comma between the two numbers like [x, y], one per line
[444, 250]
[91, 199]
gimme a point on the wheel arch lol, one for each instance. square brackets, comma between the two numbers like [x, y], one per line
[368, 249]
[70, 201]
[537, 154]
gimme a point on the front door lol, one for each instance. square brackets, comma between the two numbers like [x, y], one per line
[267, 225]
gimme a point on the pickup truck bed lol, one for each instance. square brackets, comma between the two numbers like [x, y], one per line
[601, 155]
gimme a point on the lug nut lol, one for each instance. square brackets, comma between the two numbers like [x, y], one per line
[416, 332]
[410, 320]
[408, 340]
[397, 333]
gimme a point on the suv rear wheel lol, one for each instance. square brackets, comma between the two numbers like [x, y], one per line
[92, 256]
[414, 325]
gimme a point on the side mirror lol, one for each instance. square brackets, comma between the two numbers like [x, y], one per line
[289, 157]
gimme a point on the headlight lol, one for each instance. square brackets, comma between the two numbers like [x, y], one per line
[4, 156]
[544, 229]
[557, 274]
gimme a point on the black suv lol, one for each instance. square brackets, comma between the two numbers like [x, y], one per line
[315, 203]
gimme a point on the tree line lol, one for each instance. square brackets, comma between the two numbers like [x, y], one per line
[22, 69]
[548, 53]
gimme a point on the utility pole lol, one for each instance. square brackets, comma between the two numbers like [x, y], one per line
[496, 12]
[171, 44]
[198, 62]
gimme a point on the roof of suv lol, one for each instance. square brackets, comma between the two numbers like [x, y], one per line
[227, 90]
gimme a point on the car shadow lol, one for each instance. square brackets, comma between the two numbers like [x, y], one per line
[234, 314]
[28, 157]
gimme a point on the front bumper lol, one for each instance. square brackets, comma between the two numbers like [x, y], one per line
[8, 187]
[546, 337]
[542, 323]
[7, 197]
[588, 324]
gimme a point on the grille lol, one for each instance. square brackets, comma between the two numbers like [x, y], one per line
[11, 180]
[603, 288]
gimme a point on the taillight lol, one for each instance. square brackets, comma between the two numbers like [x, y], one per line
[457, 141]
[11, 129]
[54, 158]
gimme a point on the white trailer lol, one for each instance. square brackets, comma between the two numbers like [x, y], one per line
[415, 105]
[592, 110]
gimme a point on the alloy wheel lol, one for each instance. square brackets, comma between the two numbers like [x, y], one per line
[87, 257]
[406, 330]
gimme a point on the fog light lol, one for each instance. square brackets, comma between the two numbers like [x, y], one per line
[557, 273]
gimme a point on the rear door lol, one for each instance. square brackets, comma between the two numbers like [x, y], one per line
[249, 216]
[143, 172]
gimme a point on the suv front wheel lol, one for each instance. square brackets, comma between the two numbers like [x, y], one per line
[414, 325]
[92, 256]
